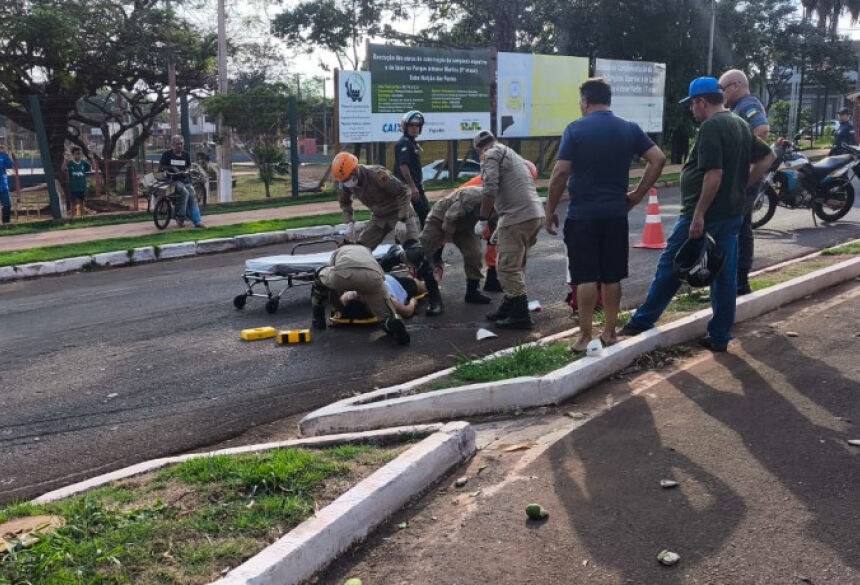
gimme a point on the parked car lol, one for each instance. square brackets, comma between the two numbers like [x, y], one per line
[465, 168]
[824, 128]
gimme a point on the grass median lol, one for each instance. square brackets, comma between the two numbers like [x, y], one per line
[186, 524]
[58, 252]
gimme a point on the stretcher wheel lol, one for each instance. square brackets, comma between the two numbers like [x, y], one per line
[239, 301]
[272, 306]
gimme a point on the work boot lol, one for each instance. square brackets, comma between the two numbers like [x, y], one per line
[473, 296]
[491, 283]
[502, 312]
[7, 214]
[319, 317]
[434, 297]
[395, 328]
[518, 316]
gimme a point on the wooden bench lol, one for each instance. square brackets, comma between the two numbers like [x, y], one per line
[29, 201]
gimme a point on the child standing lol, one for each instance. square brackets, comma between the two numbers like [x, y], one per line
[77, 169]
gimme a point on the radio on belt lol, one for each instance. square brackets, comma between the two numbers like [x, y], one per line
[294, 336]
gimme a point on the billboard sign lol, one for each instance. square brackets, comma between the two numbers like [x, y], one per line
[538, 94]
[638, 90]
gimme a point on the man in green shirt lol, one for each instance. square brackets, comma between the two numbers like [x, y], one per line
[725, 158]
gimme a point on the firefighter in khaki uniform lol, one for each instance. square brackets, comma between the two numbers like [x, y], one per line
[453, 218]
[353, 268]
[509, 189]
[390, 205]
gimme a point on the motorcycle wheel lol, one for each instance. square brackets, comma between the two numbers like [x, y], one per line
[836, 206]
[763, 208]
[162, 213]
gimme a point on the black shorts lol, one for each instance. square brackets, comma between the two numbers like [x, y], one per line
[78, 195]
[597, 249]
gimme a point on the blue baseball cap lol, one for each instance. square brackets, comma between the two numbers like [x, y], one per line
[703, 86]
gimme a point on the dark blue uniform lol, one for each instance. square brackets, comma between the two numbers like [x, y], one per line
[407, 152]
[750, 109]
[844, 135]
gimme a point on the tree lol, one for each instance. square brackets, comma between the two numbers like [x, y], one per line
[65, 51]
[260, 116]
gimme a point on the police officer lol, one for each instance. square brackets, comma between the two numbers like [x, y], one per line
[354, 268]
[453, 218]
[407, 162]
[509, 189]
[845, 134]
[736, 90]
[391, 208]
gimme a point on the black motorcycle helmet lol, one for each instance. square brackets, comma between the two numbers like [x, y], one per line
[412, 117]
[699, 262]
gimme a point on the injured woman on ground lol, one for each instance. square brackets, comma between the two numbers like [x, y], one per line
[403, 290]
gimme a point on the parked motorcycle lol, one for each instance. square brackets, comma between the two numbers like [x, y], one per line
[825, 186]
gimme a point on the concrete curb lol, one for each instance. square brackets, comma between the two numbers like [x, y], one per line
[380, 436]
[167, 251]
[316, 542]
[388, 406]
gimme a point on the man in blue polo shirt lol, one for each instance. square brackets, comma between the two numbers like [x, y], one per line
[736, 89]
[594, 162]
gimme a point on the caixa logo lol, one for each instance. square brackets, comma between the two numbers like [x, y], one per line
[470, 125]
[391, 127]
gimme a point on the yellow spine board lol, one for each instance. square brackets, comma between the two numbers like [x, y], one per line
[294, 336]
[258, 333]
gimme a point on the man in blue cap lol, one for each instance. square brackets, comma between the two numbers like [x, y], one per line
[724, 160]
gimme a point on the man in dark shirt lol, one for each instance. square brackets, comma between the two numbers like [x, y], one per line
[725, 159]
[594, 162]
[844, 133]
[407, 162]
[736, 89]
[176, 163]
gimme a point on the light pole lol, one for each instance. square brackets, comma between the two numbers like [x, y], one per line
[225, 155]
[711, 42]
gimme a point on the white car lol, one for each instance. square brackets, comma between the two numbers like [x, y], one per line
[465, 168]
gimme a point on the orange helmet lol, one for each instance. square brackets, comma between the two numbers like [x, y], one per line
[342, 165]
[532, 169]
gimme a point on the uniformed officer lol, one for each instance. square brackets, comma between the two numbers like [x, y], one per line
[845, 134]
[407, 162]
[391, 209]
[736, 89]
[453, 218]
[509, 189]
[353, 268]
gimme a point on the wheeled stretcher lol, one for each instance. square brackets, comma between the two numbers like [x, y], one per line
[286, 271]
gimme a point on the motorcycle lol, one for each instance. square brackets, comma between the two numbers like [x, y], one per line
[826, 187]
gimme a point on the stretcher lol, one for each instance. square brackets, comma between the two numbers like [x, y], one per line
[277, 274]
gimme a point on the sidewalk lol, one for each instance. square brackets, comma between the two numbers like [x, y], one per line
[756, 439]
[72, 236]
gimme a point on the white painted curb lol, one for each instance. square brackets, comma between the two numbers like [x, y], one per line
[316, 542]
[390, 407]
[380, 436]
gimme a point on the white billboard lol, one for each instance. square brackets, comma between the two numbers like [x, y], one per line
[638, 90]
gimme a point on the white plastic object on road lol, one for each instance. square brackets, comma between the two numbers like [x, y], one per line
[485, 334]
[594, 348]
[534, 306]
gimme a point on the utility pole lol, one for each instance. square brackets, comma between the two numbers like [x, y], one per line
[325, 123]
[171, 81]
[224, 151]
[711, 42]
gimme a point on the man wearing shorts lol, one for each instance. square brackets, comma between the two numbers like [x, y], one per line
[594, 162]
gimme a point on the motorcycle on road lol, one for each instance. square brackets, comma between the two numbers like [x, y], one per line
[826, 187]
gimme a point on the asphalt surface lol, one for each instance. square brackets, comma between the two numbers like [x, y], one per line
[103, 369]
[757, 439]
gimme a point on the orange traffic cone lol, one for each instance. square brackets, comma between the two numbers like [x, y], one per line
[652, 235]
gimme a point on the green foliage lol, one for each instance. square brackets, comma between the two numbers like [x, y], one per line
[260, 115]
[525, 360]
[270, 161]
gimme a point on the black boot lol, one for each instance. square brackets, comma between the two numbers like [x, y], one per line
[492, 284]
[502, 312]
[434, 297]
[518, 317]
[473, 296]
[7, 214]
[395, 328]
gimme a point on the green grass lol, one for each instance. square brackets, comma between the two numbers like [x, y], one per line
[168, 237]
[667, 178]
[186, 523]
[853, 248]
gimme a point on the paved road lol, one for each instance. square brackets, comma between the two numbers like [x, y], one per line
[99, 370]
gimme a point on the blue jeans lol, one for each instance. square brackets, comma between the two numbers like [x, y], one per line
[723, 290]
[187, 201]
[5, 199]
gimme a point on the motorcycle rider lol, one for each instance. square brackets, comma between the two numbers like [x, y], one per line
[176, 163]
[391, 209]
[845, 134]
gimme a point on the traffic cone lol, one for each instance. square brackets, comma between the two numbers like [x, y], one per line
[652, 235]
